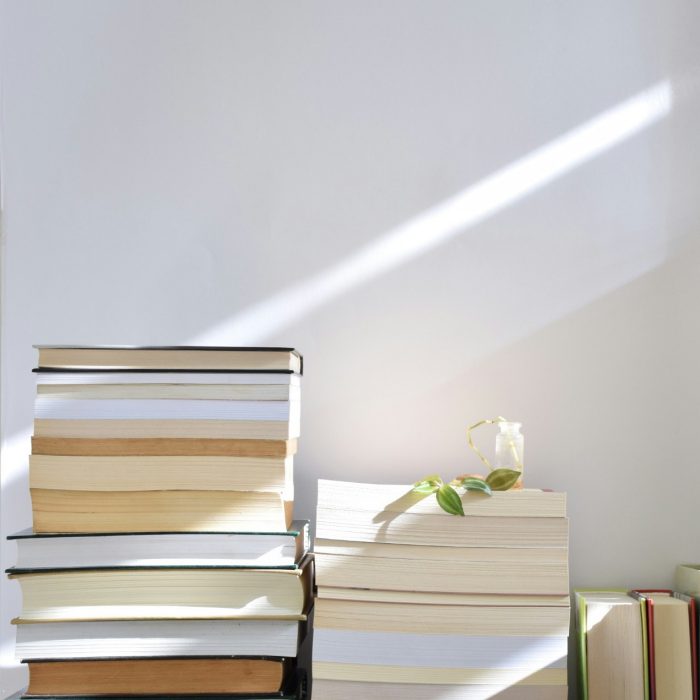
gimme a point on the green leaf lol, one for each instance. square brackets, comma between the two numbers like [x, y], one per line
[503, 479]
[432, 478]
[430, 484]
[473, 484]
[426, 487]
[449, 500]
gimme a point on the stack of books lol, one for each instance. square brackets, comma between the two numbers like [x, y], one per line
[163, 558]
[416, 604]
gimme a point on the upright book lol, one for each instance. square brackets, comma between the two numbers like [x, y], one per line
[670, 625]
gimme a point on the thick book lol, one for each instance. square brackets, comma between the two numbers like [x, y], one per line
[174, 676]
[671, 634]
[374, 595]
[612, 646]
[52, 408]
[687, 579]
[396, 515]
[157, 638]
[415, 529]
[162, 473]
[178, 385]
[37, 551]
[488, 570]
[55, 510]
[482, 620]
[260, 359]
[391, 499]
[342, 690]
[160, 447]
[165, 593]
[100, 429]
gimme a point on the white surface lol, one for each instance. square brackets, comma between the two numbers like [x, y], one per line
[453, 209]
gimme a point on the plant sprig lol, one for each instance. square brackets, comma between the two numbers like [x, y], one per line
[448, 496]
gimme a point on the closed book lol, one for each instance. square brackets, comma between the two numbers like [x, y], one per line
[442, 619]
[671, 634]
[56, 510]
[100, 429]
[160, 447]
[342, 690]
[256, 359]
[440, 598]
[51, 408]
[612, 646]
[393, 514]
[477, 570]
[391, 499]
[157, 638]
[175, 676]
[687, 579]
[109, 550]
[162, 473]
[168, 385]
[167, 593]
[415, 529]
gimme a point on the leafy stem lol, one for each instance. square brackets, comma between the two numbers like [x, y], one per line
[448, 494]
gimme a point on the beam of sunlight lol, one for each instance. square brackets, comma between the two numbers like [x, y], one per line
[444, 221]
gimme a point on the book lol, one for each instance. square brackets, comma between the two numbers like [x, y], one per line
[401, 499]
[51, 408]
[341, 690]
[161, 447]
[163, 592]
[157, 638]
[442, 676]
[66, 511]
[249, 384]
[176, 676]
[261, 359]
[687, 579]
[162, 473]
[429, 650]
[435, 598]
[612, 646]
[672, 651]
[414, 529]
[480, 620]
[439, 569]
[109, 550]
[172, 428]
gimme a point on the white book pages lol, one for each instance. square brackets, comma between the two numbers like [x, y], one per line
[82, 640]
[439, 650]
[47, 407]
[58, 378]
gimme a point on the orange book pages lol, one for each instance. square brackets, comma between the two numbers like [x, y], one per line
[135, 447]
[161, 473]
[171, 676]
[159, 511]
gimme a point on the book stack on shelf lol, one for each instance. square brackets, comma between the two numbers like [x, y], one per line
[416, 604]
[640, 644]
[163, 558]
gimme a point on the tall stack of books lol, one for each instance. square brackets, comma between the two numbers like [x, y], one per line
[163, 558]
[416, 604]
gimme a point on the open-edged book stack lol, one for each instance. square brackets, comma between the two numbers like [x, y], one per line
[416, 604]
[164, 559]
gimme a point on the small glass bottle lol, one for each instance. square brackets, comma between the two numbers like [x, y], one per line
[509, 446]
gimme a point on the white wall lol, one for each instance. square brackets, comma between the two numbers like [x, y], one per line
[266, 172]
